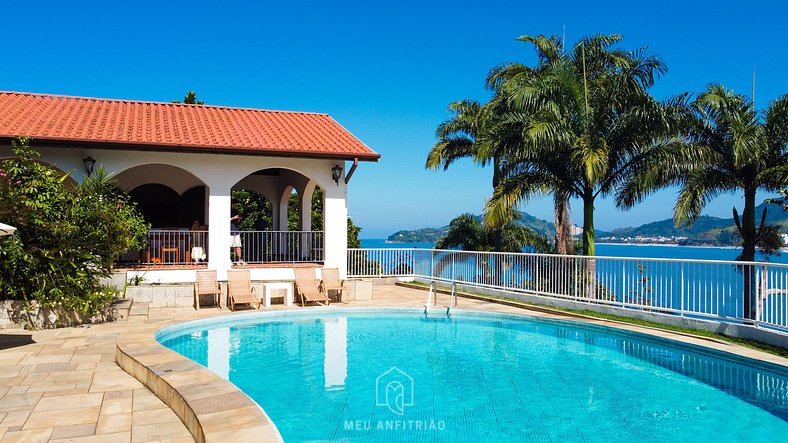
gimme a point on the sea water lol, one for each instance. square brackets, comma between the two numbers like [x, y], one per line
[623, 250]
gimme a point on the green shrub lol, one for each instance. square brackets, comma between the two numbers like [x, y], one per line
[66, 239]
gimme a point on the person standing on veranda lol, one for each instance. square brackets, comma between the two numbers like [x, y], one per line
[235, 235]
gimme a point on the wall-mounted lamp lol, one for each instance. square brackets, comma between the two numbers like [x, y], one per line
[336, 173]
[89, 163]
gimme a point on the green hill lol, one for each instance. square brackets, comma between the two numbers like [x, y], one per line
[707, 231]
[424, 235]
[666, 228]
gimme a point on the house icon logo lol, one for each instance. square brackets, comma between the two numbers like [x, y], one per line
[394, 389]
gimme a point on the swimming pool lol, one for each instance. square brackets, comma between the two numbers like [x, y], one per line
[394, 375]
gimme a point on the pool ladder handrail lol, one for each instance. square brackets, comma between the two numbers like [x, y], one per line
[452, 299]
[431, 299]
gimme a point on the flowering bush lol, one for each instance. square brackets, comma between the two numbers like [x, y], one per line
[66, 238]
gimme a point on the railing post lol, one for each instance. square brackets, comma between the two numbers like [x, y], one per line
[574, 260]
[681, 282]
[760, 283]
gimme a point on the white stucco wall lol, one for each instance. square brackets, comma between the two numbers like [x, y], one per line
[219, 173]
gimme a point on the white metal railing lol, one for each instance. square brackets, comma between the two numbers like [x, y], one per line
[282, 246]
[182, 246]
[170, 247]
[703, 289]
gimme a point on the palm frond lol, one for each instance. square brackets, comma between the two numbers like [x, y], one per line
[700, 186]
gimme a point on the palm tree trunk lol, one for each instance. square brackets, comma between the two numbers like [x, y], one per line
[748, 234]
[563, 225]
[497, 232]
[588, 222]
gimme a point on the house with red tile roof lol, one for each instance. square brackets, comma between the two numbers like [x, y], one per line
[181, 162]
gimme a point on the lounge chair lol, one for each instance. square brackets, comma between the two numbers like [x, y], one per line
[332, 282]
[309, 288]
[207, 284]
[240, 290]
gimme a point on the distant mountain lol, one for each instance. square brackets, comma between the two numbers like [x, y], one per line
[432, 235]
[667, 228]
[707, 231]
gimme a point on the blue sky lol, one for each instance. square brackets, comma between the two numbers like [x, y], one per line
[384, 70]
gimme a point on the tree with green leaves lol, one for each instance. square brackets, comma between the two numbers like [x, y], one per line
[586, 119]
[728, 147]
[782, 200]
[253, 206]
[352, 234]
[66, 239]
[465, 135]
[468, 134]
[190, 99]
[469, 234]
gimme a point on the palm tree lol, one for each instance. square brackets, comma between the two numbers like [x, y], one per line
[586, 119]
[469, 234]
[475, 131]
[464, 136]
[728, 147]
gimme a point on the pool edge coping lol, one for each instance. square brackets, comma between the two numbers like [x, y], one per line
[232, 413]
[211, 408]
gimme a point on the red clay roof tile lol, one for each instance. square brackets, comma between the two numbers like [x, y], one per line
[169, 126]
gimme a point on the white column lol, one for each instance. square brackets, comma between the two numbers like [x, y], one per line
[284, 198]
[219, 229]
[219, 351]
[207, 208]
[280, 242]
[274, 214]
[335, 227]
[306, 221]
[306, 209]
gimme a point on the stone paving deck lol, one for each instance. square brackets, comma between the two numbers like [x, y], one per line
[65, 385]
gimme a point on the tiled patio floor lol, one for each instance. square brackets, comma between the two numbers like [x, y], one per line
[66, 386]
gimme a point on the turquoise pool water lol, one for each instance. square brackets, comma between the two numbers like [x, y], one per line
[355, 375]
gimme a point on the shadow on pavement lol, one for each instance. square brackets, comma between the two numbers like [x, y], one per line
[8, 341]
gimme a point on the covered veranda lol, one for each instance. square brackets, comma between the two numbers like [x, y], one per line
[182, 163]
[278, 205]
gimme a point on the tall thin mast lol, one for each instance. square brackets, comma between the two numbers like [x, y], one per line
[563, 42]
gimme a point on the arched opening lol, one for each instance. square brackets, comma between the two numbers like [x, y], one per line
[158, 203]
[173, 201]
[277, 221]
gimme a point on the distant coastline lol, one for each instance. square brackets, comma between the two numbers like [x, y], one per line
[676, 245]
[707, 232]
[672, 245]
